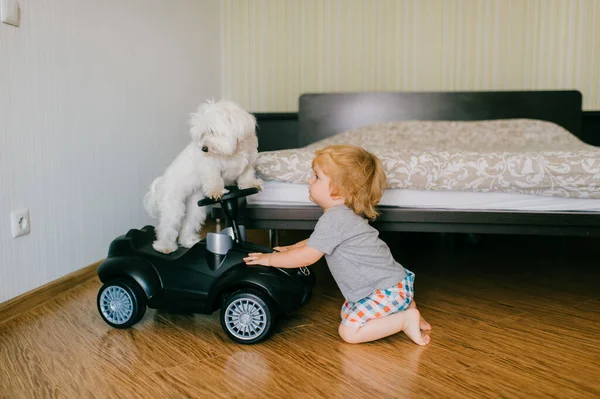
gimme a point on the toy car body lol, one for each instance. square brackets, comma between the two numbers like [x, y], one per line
[210, 275]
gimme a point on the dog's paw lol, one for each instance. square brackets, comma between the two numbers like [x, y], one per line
[189, 241]
[251, 183]
[217, 193]
[165, 246]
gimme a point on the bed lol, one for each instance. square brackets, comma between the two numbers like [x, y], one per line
[571, 208]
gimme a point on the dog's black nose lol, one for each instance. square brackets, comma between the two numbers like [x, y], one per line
[205, 149]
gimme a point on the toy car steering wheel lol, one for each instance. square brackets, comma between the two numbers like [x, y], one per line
[229, 205]
[233, 193]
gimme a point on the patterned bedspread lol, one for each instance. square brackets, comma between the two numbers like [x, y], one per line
[513, 155]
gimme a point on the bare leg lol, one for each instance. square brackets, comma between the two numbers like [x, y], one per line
[407, 321]
[423, 325]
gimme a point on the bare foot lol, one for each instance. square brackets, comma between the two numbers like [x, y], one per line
[423, 325]
[411, 327]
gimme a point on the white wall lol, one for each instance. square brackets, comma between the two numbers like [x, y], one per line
[94, 103]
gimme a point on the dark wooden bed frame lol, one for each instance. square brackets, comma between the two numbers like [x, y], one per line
[323, 115]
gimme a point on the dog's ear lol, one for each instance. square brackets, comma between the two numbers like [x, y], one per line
[249, 121]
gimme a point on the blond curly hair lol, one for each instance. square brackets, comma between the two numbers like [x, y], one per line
[356, 175]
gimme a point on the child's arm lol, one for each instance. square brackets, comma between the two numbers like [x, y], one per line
[292, 258]
[288, 247]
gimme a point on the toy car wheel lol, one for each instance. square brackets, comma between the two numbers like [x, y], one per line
[247, 316]
[121, 303]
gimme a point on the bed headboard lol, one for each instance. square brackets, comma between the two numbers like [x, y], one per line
[325, 114]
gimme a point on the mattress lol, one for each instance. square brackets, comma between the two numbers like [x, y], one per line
[279, 193]
[512, 156]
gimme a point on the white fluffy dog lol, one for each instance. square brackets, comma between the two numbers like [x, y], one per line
[222, 152]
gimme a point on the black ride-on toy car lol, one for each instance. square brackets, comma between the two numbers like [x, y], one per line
[210, 275]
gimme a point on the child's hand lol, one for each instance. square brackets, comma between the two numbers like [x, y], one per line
[281, 249]
[257, 258]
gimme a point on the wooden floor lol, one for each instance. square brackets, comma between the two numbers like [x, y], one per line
[509, 320]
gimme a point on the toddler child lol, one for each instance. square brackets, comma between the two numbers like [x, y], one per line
[347, 183]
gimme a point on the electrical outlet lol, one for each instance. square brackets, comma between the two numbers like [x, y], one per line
[19, 222]
[9, 12]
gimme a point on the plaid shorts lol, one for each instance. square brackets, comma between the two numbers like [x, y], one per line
[380, 303]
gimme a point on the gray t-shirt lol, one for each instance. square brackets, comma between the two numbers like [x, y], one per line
[358, 259]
